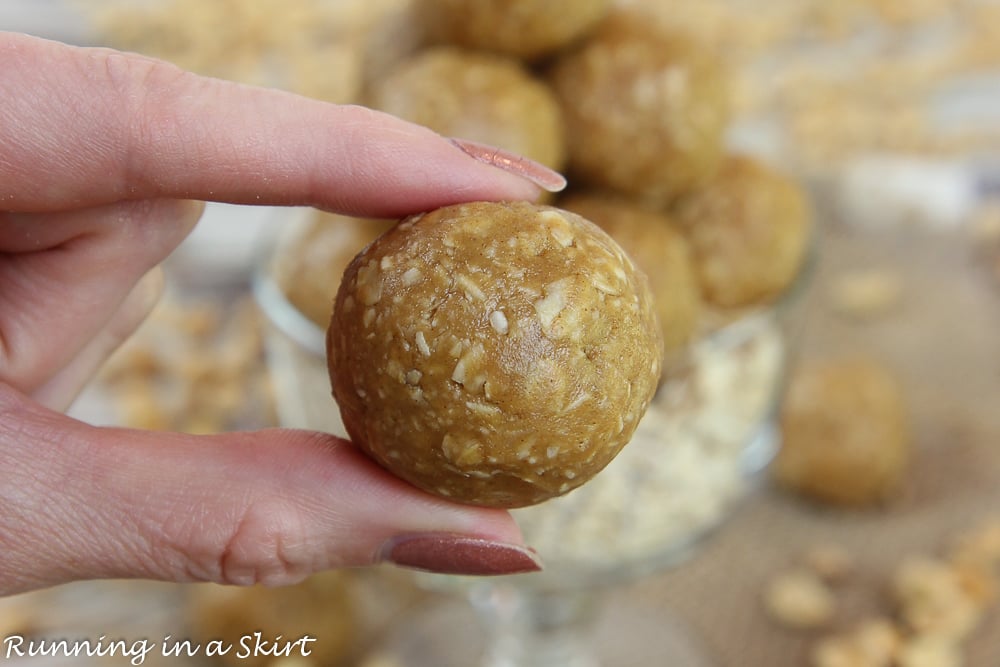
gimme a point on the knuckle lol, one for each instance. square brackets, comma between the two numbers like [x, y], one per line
[133, 77]
[264, 546]
[141, 99]
[136, 84]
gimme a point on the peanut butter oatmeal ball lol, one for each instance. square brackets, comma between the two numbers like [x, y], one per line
[496, 354]
[308, 269]
[645, 110]
[526, 29]
[477, 96]
[845, 436]
[749, 229]
[659, 250]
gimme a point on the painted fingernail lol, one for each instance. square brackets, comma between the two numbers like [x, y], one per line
[513, 163]
[446, 553]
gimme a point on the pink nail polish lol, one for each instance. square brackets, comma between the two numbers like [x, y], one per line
[447, 553]
[518, 165]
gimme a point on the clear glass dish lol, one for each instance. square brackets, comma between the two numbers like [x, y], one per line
[699, 449]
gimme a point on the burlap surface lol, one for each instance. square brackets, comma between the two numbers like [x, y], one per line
[943, 340]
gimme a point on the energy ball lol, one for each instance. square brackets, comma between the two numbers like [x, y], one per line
[478, 96]
[495, 354]
[309, 269]
[749, 229]
[845, 436]
[659, 250]
[647, 109]
[526, 29]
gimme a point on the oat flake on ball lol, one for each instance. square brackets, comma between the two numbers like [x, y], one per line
[495, 354]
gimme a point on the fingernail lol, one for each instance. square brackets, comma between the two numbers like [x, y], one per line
[446, 553]
[513, 163]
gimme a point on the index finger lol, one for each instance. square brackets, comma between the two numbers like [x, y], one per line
[83, 126]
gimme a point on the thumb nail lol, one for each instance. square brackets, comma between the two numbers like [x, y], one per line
[447, 553]
[513, 163]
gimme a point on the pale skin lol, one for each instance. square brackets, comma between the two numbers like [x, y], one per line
[103, 160]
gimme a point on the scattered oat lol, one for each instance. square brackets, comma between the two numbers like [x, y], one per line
[932, 601]
[872, 643]
[799, 599]
[831, 562]
[938, 604]
[928, 651]
[878, 639]
[840, 652]
[863, 294]
[979, 546]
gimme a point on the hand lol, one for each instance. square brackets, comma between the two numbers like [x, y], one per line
[101, 154]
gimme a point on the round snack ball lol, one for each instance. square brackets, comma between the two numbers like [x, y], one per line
[659, 250]
[645, 110]
[526, 29]
[309, 268]
[477, 96]
[496, 354]
[749, 229]
[845, 439]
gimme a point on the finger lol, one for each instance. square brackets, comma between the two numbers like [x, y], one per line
[270, 507]
[53, 301]
[63, 388]
[92, 126]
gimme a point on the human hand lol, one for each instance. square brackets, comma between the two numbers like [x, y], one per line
[103, 157]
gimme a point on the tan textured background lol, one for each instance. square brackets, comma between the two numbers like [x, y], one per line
[943, 340]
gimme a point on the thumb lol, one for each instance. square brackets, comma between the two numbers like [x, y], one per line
[271, 507]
